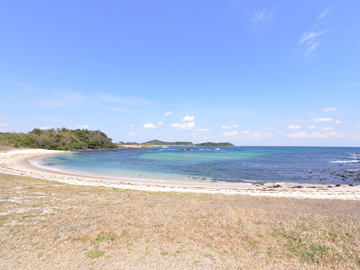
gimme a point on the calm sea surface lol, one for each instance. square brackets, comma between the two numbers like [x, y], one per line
[330, 165]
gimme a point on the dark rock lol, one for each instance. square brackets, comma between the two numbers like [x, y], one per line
[351, 185]
[337, 185]
[330, 186]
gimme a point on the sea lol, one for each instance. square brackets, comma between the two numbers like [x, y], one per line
[312, 165]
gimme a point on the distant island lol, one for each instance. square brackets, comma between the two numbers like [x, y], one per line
[65, 139]
[58, 139]
[162, 143]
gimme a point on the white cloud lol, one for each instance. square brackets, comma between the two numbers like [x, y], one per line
[338, 122]
[188, 119]
[189, 125]
[228, 127]
[311, 114]
[83, 127]
[327, 129]
[149, 126]
[323, 120]
[246, 132]
[44, 128]
[262, 15]
[323, 14]
[319, 135]
[131, 125]
[160, 123]
[358, 125]
[132, 134]
[270, 128]
[311, 127]
[167, 114]
[330, 110]
[257, 135]
[294, 127]
[3, 124]
[230, 134]
[203, 129]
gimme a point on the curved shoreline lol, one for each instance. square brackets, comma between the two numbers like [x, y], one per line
[16, 163]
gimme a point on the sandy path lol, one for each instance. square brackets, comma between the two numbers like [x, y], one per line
[16, 163]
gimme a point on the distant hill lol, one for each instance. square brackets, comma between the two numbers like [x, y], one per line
[214, 144]
[58, 139]
[158, 142]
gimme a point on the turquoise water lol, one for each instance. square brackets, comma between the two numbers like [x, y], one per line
[231, 164]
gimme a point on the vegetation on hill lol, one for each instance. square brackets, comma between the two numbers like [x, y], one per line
[214, 144]
[158, 142]
[58, 139]
[127, 143]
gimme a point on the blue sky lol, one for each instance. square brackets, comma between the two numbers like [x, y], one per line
[248, 72]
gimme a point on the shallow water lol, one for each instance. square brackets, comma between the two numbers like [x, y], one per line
[232, 164]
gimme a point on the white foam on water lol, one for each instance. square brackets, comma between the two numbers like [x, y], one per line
[345, 161]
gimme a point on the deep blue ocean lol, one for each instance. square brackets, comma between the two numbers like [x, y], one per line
[328, 165]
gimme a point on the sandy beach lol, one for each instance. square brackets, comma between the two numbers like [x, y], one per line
[16, 162]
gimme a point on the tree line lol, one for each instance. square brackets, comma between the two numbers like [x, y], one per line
[58, 139]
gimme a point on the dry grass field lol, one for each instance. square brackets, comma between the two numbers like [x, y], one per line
[49, 225]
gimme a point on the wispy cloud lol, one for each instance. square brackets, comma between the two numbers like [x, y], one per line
[167, 114]
[327, 129]
[310, 36]
[229, 134]
[203, 129]
[257, 135]
[312, 127]
[311, 40]
[337, 122]
[160, 123]
[120, 109]
[262, 15]
[118, 100]
[39, 119]
[323, 120]
[84, 126]
[64, 98]
[132, 134]
[3, 124]
[318, 135]
[189, 125]
[228, 127]
[330, 109]
[294, 127]
[268, 128]
[323, 14]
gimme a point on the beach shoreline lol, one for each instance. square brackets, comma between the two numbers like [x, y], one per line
[16, 162]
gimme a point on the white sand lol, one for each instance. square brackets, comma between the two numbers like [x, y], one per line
[16, 163]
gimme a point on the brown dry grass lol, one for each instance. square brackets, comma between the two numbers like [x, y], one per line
[48, 225]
